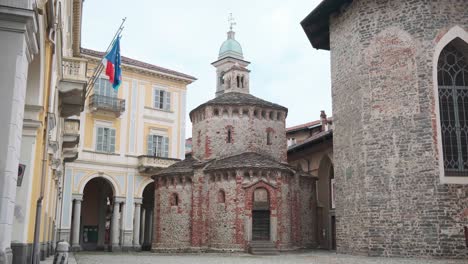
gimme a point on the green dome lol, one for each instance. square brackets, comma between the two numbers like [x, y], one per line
[231, 47]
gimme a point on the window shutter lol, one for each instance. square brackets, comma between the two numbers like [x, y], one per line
[112, 141]
[100, 138]
[166, 147]
[158, 146]
[150, 145]
[156, 98]
[167, 105]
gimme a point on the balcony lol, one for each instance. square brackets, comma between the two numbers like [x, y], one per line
[153, 164]
[72, 86]
[70, 154]
[108, 104]
[71, 133]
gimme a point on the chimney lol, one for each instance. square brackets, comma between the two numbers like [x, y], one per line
[323, 120]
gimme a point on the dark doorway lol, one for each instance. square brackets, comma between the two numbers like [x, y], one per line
[261, 215]
[147, 217]
[96, 214]
[261, 225]
[333, 230]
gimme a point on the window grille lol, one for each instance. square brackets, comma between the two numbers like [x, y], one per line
[452, 74]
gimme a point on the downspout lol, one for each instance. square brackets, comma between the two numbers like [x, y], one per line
[37, 226]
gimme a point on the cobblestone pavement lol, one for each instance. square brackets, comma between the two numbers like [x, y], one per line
[312, 257]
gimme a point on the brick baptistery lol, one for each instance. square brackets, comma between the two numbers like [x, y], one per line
[400, 148]
[236, 187]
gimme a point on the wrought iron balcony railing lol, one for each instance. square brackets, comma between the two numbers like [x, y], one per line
[107, 103]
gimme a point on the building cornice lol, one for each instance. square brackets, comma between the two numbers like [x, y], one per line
[24, 21]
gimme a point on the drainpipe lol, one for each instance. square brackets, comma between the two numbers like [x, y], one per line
[37, 226]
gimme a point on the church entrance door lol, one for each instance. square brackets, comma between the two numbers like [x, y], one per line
[261, 215]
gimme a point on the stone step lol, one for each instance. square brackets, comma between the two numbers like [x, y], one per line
[263, 248]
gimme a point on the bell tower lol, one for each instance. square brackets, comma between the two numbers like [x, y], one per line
[232, 74]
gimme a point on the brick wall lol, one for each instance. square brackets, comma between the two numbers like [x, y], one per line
[390, 201]
[249, 133]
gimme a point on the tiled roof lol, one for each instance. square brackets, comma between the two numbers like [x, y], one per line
[306, 125]
[319, 137]
[182, 167]
[137, 63]
[241, 99]
[246, 160]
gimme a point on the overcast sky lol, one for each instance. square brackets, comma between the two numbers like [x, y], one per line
[186, 35]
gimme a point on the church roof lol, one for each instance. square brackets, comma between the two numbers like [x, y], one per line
[230, 47]
[241, 99]
[246, 160]
[182, 167]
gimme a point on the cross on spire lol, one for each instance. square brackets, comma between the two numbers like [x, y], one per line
[231, 21]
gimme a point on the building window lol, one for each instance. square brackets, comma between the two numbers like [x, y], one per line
[104, 87]
[174, 199]
[452, 75]
[105, 141]
[158, 146]
[221, 196]
[229, 135]
[162, 99]
[269, 135]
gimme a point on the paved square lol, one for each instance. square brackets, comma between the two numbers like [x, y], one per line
[312, 257]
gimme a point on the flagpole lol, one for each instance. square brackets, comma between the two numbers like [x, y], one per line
[100, 66]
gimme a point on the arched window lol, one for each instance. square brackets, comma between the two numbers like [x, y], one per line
[269, 135]
[174, 199]
[221, 196]
[242, 82]
[221, 78]
[452, 76]
[238, 81]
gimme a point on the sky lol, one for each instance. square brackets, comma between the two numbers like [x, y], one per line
[186, 36]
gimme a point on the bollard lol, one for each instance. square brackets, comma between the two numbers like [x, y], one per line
[61, 253]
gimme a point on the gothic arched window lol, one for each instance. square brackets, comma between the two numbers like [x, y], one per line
[452, 76]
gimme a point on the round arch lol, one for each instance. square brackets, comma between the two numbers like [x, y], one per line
[142, 186]
[447, 37]
[114, 184]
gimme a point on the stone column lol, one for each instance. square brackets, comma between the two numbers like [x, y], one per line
[18, 41]
[142, 234]
[150, 227]
[115, 226]
[76, 223]
[136, 225]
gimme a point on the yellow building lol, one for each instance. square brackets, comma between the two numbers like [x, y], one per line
[125, 137]
[39, 43]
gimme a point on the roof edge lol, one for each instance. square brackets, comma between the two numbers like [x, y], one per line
[316, 24]
[143, 65]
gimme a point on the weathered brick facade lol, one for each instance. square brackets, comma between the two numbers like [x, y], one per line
[391, 197]
[240, 148]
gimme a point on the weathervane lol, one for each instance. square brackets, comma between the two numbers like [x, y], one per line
[231, 21]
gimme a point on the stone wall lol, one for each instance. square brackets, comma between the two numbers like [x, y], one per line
[390, 201]
[207, 220]
[172, 225]
[249, 127]
[224, 214]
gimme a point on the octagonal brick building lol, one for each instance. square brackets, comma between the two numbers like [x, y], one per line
[235, 191]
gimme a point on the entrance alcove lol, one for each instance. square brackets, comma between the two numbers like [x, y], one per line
[261, 215]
